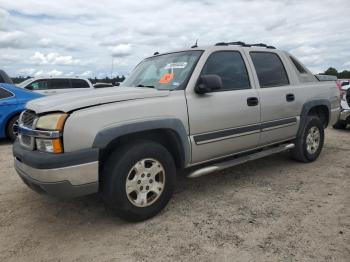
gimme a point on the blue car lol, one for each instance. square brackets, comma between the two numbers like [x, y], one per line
[12, 103]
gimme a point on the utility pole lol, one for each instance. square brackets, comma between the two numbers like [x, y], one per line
[112, 67]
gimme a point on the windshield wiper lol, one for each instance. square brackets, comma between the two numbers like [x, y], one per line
[140, 85]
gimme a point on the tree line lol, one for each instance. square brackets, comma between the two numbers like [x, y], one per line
[334, 72]
[118, 79]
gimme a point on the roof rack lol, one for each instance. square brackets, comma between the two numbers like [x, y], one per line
[231, 43]
[263, 45]
[244, 44]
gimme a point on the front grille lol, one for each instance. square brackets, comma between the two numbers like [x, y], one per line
[28, 118]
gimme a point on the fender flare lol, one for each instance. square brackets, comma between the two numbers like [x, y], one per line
[307, 107]
[107, 135]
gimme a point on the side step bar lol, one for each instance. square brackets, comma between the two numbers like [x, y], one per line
[239, 160]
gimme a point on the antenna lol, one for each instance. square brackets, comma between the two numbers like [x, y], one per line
[195, 45]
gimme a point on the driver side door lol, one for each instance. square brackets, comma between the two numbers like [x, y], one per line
[225, 121]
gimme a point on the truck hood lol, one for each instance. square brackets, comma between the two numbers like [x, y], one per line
[71, 101]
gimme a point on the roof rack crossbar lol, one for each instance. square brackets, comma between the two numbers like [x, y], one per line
[263, 45]
[231, 43]
[244, 44]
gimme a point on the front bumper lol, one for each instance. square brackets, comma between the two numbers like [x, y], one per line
[345, 115]
[62, 175]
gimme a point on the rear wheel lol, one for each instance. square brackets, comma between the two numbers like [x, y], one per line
[138, 180]
[12, 128]
[309, 144]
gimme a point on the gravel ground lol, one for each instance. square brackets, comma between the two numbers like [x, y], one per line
[273, 209]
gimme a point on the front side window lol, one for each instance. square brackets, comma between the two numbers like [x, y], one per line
[38, 85]
[5, 94]
[230, 66]
[59, 84]
[170, 71]
[2, 79]
[270, 69]
[79, 83]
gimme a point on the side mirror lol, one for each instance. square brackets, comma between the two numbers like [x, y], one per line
[29, 87]
[208, 83]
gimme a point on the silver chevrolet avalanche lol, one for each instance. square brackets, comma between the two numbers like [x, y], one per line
[196, 111]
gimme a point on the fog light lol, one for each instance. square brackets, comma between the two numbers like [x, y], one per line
[49, 145]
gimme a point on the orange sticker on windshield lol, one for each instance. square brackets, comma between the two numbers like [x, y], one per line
[166, 78]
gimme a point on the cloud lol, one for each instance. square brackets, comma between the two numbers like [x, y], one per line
[86, 74]
[14, 39]
[83, 39]
[53, 59]
[26, 71]
[3, 18]
[120, 50]
[45, 42]
[8, 57]
[52, 73]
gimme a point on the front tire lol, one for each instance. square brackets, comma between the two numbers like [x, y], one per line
[309, 144]
[12, 128]
[138, 180]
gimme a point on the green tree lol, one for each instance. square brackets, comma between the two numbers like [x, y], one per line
[331, 71]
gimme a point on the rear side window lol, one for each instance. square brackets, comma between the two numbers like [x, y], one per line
[298, 66]
[79, 83]
[2, 79]
[5, 94]
[59, 84]
[38, 85]
[270, 69]
[230, 66]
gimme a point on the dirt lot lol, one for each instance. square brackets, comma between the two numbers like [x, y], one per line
[273, 209]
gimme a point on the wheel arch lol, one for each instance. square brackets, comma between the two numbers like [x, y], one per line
[171, 133]
[320, 108]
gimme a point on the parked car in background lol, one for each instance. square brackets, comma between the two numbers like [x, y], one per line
[4, 78]
[56, 85]
[12, 103]
[344, 117]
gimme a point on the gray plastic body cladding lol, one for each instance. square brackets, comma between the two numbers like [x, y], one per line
[106, 136]
[306, 108]
[42, 160]
[61, 189]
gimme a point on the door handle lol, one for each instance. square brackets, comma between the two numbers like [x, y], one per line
[290, 97]
[252, 101]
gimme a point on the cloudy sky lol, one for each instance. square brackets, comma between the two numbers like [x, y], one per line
[79, 37]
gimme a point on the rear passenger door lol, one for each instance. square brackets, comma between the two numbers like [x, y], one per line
[79, 84]
[58, 86]
[279, 107]
[225, 121]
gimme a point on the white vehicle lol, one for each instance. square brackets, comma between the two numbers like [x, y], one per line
[55, 85]
[344, 117]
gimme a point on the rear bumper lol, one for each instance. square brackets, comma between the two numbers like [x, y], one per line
[62, 175]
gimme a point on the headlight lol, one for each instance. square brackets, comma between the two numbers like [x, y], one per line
[53, 121]
[50, 122]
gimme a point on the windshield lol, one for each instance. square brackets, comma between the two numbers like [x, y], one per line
[25, 82]
[169, 71]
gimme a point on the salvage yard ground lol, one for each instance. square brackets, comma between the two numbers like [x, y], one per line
[273, 209]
